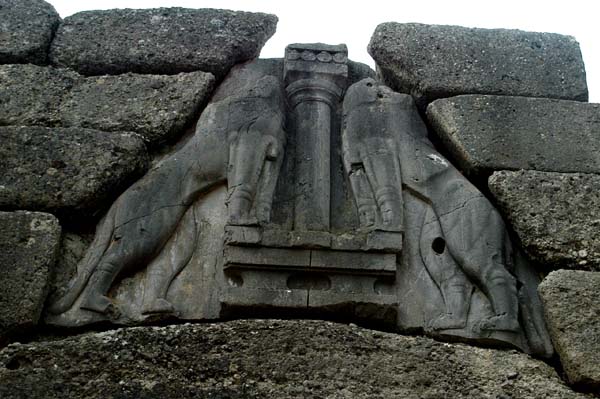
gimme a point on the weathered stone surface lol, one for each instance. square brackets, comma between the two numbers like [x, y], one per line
[66, 170]
[268, 359]
[573, 315]
[273, 66]
[435, 61]
[487, 133]
[556, 215]
[459, 274]
[358, 71]
[158, 107]
[72, 249]
[29, 244]
[160, 41]
[158, 226]
[314, 72]
[192, 287]
[26, 30]
[31, 95]
[147, 242]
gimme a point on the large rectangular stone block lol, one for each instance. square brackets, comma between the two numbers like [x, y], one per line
[70, 171]
[160, 40]
[269, 359]
[31, 95]
[556, 215]
[487, 133]
[29, 243]
[573, 315]
[158, 107]
[26, 30]
[436, 61]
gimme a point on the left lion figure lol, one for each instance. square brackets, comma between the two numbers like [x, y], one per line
[239, 140]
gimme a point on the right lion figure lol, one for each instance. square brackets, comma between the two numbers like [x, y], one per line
[463, 242]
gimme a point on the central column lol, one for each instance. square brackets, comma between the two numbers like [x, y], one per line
[315, 77]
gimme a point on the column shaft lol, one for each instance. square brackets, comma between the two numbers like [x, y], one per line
[313, 180]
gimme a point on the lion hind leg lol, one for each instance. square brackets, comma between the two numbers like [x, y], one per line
[87, 265]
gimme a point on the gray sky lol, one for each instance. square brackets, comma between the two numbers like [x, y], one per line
[353, 22]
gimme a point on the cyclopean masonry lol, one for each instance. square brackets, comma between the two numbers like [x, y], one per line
[304, 192]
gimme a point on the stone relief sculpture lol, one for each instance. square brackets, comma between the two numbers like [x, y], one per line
[471, 233]
[372, 157]
[239, 140]
[359, 218]
[459, 237]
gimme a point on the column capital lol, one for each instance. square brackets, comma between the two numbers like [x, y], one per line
[314, 89]
[317, 72]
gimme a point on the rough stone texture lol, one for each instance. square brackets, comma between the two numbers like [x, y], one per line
[66, 170]
[31, 95]
[435, 61]
[163, 220]
[158, 107]
[556, 215]
[573, 315]
[273, 66]
[72, 248]
[358, 71]
[26, 30]
[29, 244]
[487, 133]
[449, 289]
[268, 359]
[160, 41]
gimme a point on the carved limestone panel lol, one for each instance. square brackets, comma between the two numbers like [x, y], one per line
[239, 149]
[458, 274]
[305, 194]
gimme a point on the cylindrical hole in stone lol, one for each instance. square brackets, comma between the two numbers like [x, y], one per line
[438, 245]
[14, 363]
[234, 279]
[384, 286]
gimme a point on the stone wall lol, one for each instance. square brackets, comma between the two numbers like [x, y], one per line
[91, 103]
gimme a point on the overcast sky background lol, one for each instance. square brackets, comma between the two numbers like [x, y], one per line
[350, 22]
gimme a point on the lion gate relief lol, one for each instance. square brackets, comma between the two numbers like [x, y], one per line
[309, 190]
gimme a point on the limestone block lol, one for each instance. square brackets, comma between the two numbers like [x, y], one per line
[573, 316]
[487, 133]
[31, 95]
[72, 249]
[26, 30]
[158, 107]
[269, 359]
[556, 215]
[160, 40]
[436, 61]
[66, 170]
[29, 244]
